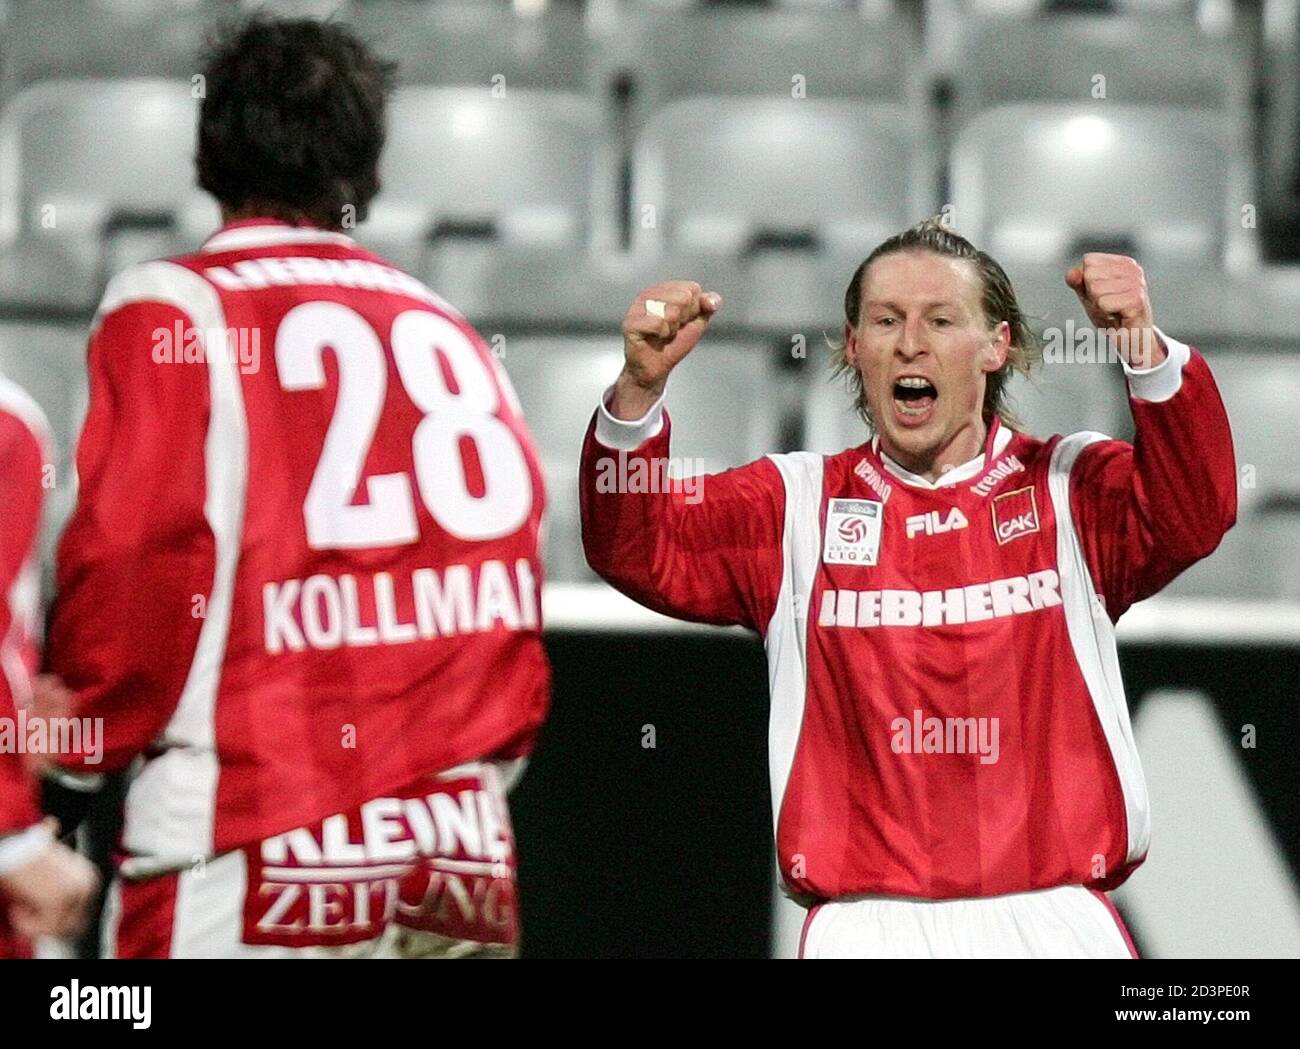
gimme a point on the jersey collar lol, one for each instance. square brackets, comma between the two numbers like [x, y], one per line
[994, 445]
[265, 233]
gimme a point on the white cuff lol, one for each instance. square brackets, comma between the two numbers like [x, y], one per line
[625, 435]
[18, 850]
[1165, 379]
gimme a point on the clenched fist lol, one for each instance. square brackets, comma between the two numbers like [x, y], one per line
[1113, 290]
[662, 326]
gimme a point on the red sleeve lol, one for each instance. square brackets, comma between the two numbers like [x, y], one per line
[22, 457]
[1147, 511]
[707, 548]
[137, 554]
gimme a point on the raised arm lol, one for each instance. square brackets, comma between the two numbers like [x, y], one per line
[707, 549]
[1148, 510]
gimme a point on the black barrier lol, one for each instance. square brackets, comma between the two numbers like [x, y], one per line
[644, 821]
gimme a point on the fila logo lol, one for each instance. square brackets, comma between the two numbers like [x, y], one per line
[1015, 514]
[931, 523]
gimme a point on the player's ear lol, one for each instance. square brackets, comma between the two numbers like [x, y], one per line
[996, 350]
[850, 345]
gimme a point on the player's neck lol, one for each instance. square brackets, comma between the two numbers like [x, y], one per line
[267, 212]
[966, 444]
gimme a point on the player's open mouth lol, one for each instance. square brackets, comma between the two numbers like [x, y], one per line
[914, 399]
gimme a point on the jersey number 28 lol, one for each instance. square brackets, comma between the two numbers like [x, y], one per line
[388, 516]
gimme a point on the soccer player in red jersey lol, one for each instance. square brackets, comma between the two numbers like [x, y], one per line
[301, 583]
[952, 765]
[44, 886]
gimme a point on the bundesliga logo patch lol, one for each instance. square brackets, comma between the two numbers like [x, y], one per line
[1015, 514]
[852, 532]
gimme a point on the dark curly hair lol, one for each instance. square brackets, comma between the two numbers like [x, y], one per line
[292, 120]
[999, 302]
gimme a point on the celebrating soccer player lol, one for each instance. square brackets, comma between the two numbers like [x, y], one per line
[953, 769]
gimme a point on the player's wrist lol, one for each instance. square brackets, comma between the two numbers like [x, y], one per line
[631, 399]
[1139, 347]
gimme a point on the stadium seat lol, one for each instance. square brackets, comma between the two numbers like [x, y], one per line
[1041, 183]
[1067, 398]
[65, 39]
[47, 359]
[1261, 392]
[733, 176]
[720, 402]
[463, 168]
[662, 55]
[102, 169]
[37, 279]
[477, 43]
[1153, 58]
[1257, 559]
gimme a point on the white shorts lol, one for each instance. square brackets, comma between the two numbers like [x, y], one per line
[1065, 922]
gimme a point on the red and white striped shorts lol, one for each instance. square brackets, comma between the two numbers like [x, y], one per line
[426, 872]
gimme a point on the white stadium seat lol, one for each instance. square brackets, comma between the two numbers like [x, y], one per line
[462, 166]
[1146, 56]
[1038, 183]
[101, 168]
[721, 401]
[823, 53]
[726, 175]
[473, 42]
[1260, 557]
[1261, 392]
[47, 359]
[64, 39]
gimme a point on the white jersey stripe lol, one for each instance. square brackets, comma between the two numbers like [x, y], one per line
[1092, 637]
[787, 633]
[171, 806]
[19, 403]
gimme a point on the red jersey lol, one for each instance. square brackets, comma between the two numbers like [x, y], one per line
[24, 451]
[303, 567]
[947, 714]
